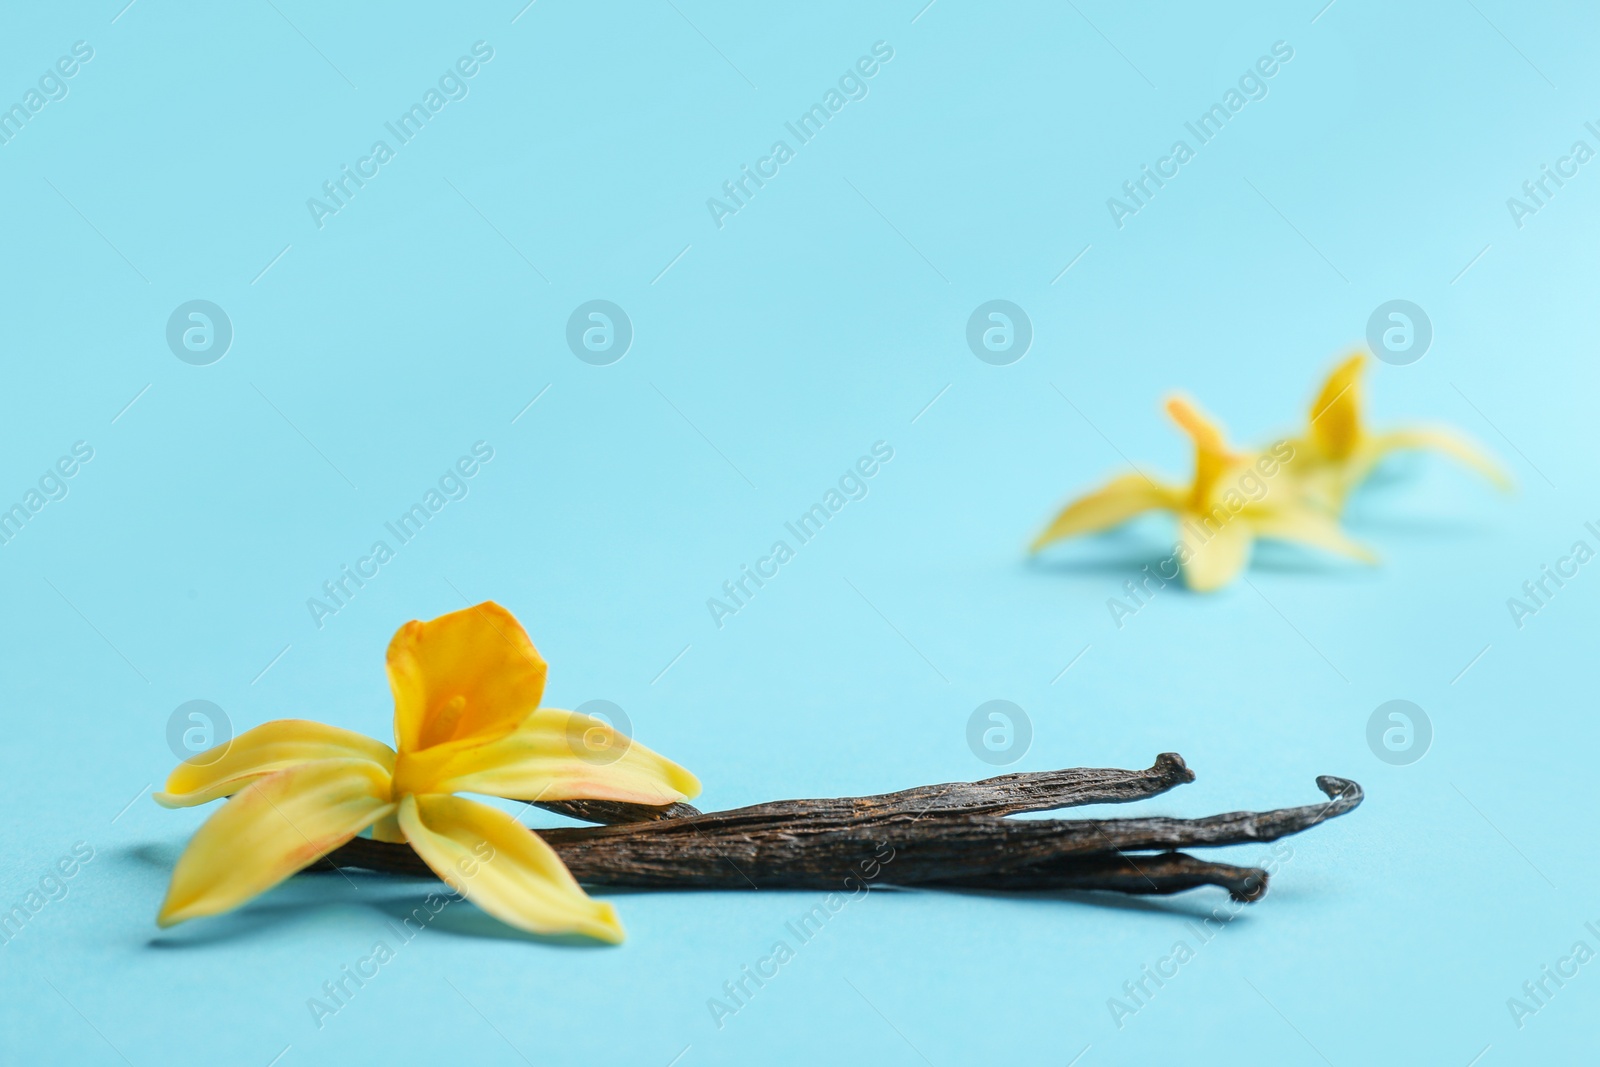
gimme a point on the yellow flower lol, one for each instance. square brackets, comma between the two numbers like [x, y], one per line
[1233, 499]
[467, 718]
[1338, 453]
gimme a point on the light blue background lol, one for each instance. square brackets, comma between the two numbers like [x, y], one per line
[820, 319]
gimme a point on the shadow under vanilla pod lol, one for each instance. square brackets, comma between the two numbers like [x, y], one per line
[467, 689]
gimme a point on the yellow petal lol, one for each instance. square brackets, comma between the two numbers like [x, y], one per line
[264, 750]
[1439, 441]
[1212, 555]
[503, 867]
[553, 755]
[388, 829]
[1336, 412]
[1211, 455]
[471, 675]
[1114, 503]
[276, 826]
[1310, 528]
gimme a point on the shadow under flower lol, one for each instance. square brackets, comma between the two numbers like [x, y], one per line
[1125, 565]
[1273, 557]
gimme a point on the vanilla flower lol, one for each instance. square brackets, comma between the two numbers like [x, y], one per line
[467, 718]
[1233, 499]
[1338, 453]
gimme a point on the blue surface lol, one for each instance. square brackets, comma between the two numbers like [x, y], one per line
[768, 355]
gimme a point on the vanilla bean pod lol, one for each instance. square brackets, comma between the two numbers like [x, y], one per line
[1160, 873]
[946, 836]
[609, 812]
[1004, 794]
[1156, 873]
[725, 849]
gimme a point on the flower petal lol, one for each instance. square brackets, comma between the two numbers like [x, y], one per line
[1212, 559]
[1112, 504]
[1336, 412]
[555, 755]
[503, 867]
[1310, 528]
[267, 748]
[388, 829]
[469, 675]
[1444, 441]
[276, 826]
[1211, 455]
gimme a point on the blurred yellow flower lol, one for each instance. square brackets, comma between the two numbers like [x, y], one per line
[1233, 498]
[467, 718]
[1338, 453]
